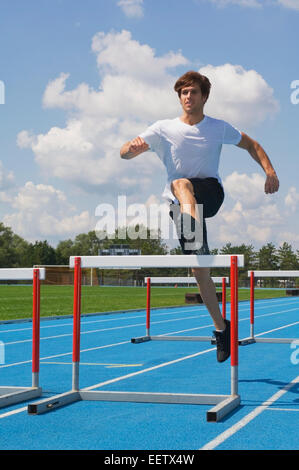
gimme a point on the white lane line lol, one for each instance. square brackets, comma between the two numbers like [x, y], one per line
[123, 377]
[105, 364]
[13, 412]
[248, 418]
[119, 318]
[127, 316]
[66, 354]
[282, 409]
[149, 369]
[276, 329]
[142, 324]
[126, 342]
[103, 329]
[93, 349]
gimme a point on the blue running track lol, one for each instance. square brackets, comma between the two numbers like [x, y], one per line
[267, 419]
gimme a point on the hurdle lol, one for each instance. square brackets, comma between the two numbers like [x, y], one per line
[224, 404]
[253, 338]
[176, 280]
[12, 395]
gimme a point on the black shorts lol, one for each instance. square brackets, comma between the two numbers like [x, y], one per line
[209, 193]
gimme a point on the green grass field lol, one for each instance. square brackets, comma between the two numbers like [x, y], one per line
[16, 301]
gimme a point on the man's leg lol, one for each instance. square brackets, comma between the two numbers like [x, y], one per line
[208, 293]
[183, 190]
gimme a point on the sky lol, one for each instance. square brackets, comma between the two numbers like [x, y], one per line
[79, 79]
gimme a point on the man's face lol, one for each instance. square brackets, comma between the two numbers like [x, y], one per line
[191, 99]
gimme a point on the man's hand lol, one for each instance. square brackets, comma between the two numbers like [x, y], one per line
[133, 148]
[259, 155]
[138, 146]
[271, 184]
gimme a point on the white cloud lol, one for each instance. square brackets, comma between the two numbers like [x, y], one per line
[250, 216]
[292, 4]
[6, 178]
[254, 217]
[242, 97]
[292, 199]
[131, 8]
[135, 89]
[39, 213]
[7, 183]
[243, 3]
[245, 189]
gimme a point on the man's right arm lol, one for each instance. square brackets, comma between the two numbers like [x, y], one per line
[133, 148]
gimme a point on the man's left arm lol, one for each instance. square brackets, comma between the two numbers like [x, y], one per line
[259, 155]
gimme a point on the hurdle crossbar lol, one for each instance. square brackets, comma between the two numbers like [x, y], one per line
[173, 280]
[224, 404]
[182, 280]
[10, 395]
[252, 337]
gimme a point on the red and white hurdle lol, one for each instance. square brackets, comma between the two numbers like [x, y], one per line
[176, 280]
[224, 404]
[10, 395]
[255, 338]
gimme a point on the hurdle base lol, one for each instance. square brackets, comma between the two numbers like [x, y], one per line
[224, 403]
[57, 401]
[143, 339]
[12, 395]
[223, 408]
[246, 341]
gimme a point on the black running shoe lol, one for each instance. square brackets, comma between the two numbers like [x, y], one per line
[223, 342]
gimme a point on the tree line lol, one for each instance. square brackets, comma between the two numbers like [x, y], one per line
[15, 252]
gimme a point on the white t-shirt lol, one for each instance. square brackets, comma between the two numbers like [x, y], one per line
[189, 151]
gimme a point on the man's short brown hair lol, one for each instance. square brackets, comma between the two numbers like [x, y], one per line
[191, 77]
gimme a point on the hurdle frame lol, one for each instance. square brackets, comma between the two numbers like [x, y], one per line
[173, 280]
[253, 338]
[224, 404]
[10, 395]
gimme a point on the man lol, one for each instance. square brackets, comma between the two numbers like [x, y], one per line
[190, 148]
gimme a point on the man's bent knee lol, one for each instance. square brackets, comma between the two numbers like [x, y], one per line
[180, 186]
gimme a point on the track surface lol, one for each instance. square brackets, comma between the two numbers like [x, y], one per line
[268, 417]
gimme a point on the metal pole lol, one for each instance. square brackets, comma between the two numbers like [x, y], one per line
[224, 298]
[252, 304]
[76, 325]
[148, 306]
[234, 325]
[35, 328]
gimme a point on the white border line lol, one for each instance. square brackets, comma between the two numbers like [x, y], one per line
[244, 421]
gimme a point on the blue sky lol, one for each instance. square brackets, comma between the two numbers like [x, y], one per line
[81, 78]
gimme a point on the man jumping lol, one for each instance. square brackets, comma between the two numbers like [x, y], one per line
[190, 147]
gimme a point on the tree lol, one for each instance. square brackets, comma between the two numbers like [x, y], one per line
[14, 250]
[250, 257]
[86, 244]
[64, 250]
[22, 251]
[267, 257]
[7, 256]
[286, 257]
[42, 253]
